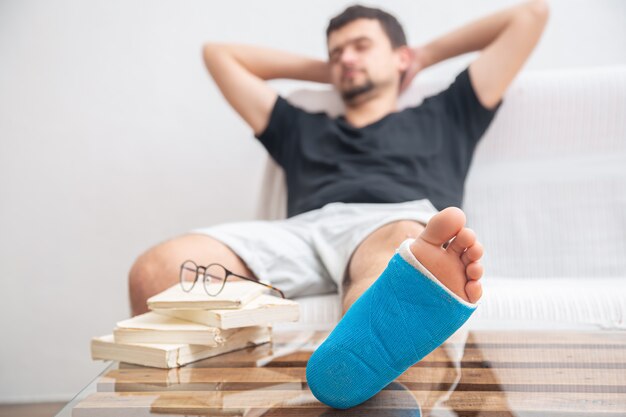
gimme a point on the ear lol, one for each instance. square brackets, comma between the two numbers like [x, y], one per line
[404, 57]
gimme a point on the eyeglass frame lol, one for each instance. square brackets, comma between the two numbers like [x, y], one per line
[228, 274]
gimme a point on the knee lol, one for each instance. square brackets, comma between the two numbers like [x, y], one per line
[159, 267]
[142, 278]
[139, 272]
[373, 254]
[403, 229]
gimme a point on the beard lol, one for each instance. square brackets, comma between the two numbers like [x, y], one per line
[354, 92]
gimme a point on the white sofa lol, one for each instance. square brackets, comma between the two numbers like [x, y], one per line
[546, 194]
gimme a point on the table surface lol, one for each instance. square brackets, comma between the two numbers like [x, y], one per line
[475, 373]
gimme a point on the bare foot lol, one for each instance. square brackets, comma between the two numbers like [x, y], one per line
[455, 266]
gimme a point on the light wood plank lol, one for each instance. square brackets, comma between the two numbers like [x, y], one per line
[204, 402]
[490, 376]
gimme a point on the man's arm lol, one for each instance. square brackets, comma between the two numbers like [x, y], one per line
[505, 39]
[240, 72]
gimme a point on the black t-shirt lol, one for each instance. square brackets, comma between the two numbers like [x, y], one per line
[419, 152]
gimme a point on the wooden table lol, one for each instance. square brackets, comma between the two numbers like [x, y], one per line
[476, 373]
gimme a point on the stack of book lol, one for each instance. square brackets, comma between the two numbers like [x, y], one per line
[186, 327]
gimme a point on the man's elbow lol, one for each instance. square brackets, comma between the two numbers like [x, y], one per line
[533, 17]
[211, 53]
[539, 10]
[210, 48]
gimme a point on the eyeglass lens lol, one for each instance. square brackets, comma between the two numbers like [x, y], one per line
[214, 279]
[188, 275]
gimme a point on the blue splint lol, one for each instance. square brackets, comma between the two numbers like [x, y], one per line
[401, 318]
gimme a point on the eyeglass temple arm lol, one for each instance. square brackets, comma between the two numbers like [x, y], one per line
[261, 283]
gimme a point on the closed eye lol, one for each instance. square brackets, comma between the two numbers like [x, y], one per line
[363, 45]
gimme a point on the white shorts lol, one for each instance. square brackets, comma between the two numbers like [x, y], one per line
[308, 254]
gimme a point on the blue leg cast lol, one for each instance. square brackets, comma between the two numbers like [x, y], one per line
[401, 318]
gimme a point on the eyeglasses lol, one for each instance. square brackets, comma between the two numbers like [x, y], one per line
[214, 277]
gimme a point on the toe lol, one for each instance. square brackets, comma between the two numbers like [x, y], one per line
[462, 241]
[474, 291]
[474, 271]
[443, 226]
[472, 254]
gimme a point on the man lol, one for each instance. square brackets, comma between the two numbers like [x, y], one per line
[359, 185]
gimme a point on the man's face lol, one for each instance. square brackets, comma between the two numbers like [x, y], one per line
[363, 62]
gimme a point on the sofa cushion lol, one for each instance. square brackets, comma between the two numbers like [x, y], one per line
[599, 302]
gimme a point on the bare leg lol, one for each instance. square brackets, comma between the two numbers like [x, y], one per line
[372, 255]
[158, 268]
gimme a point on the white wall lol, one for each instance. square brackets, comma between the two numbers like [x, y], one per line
[113, 137]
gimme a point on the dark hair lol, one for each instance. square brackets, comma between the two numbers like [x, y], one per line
[390, 24]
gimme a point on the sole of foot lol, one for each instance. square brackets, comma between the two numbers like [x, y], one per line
[451, 252]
